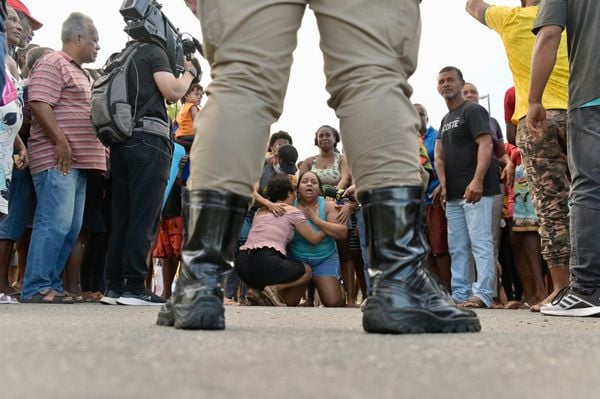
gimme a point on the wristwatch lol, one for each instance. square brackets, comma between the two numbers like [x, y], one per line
[193, 72]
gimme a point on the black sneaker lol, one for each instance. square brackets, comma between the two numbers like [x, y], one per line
[144, 298]
[570, 302]
[110, 297]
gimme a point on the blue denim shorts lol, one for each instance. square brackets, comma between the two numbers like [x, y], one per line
[21, 205]
[328, 267]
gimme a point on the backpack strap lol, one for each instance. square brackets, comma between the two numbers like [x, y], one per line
[142, 111]
[145, 108]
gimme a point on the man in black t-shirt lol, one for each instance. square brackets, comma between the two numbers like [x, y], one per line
[139, 174]
[468, 183]
[506, 171]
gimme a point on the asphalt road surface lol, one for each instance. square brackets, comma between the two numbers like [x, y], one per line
[92, 351]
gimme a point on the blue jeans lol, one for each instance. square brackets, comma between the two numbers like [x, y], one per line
[327, 267]
[56, 225]
[583, 143]
[470, 236]
[21, 202]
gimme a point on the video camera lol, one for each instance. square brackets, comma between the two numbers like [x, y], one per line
[147, 23]
[338, 195]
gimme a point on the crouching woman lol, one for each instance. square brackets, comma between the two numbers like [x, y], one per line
[262, 263]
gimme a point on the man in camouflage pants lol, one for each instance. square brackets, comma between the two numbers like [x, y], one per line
[544, 155]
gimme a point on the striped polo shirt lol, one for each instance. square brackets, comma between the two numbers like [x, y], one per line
[57, 80]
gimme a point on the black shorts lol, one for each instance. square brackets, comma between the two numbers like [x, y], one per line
[265, 266]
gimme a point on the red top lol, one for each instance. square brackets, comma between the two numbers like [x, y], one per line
[509, 104]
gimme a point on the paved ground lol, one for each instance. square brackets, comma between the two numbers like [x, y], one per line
[94, 351]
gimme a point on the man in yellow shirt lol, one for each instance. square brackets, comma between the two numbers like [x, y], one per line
[544, 156]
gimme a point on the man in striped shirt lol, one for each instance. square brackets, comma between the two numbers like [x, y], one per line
[63, 148]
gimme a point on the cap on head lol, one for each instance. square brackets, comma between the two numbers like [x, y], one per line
[288, 155]
[17, 5]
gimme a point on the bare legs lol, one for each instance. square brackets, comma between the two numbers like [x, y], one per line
[330, 291]
[169, 269]
[289, 294]
[526, 251]
[73, 266]
[6, 250]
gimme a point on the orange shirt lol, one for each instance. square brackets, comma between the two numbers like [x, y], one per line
[185, 120]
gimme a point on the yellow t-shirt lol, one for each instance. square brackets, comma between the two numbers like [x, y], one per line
[514, 24]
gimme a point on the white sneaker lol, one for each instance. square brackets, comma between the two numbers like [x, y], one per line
[110, 297]
[145, 298]
[569, 302]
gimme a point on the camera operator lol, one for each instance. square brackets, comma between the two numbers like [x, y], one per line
[139, 175]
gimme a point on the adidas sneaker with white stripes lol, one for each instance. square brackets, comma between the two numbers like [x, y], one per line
[570, 302]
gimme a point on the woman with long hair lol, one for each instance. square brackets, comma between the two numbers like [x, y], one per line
[322, 257]
[332, 169]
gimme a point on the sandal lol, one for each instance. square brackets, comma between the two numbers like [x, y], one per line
[474, 302]
[515, 305]
[92, 296]
[49, 296]
[77, 298]
[257, 298]
[229, 302]
[273, 296]
[9, 299]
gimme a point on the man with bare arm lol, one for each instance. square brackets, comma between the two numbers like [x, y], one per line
[581, 19]
[544, 156]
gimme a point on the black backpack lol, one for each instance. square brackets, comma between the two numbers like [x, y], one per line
[112, 115]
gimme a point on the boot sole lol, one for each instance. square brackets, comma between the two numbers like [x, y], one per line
[376, 319]
[165, 317]
[205, 313]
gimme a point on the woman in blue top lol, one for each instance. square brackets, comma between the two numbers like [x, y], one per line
[322, 257]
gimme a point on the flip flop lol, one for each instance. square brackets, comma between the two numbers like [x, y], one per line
[77, 298]
[515, 305]
[8, 299]
[474, 302]
[273, 296]
[92, 296]
[258, 298]
[42, 297]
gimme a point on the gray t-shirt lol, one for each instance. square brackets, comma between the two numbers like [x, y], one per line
[581, 18]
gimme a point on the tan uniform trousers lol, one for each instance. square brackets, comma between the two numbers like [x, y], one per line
[370, 49]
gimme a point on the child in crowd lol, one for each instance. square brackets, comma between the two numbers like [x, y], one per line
[185, 118]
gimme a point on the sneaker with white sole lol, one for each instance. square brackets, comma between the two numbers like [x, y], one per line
[110, 297]
[571, 302]
[144, 298]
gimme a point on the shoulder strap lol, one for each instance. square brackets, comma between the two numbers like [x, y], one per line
[145, 107]
[140, 114]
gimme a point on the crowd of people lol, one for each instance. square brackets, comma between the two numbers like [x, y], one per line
[90, 223]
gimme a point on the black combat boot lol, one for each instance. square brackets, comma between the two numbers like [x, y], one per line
[213, 220]
[406, 296]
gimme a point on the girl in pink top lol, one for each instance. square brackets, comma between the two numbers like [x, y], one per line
[262, 263]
